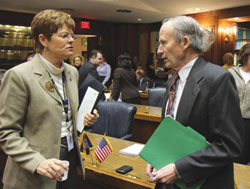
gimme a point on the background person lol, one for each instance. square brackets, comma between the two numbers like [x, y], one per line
[151, 66]
[38, 110]
[77, 61]
[206, 99]
[228, 60]
[95, 59]
[143, 81]
[125, 81]
[104, 72]
[241, 75]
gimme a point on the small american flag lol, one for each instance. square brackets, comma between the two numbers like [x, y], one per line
[103, 149]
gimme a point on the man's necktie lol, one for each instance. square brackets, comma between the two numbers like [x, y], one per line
[172, 94]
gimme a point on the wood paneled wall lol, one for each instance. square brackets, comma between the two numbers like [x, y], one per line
[213, 19]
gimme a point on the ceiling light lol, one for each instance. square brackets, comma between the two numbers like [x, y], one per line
[123, 10]
[139, 19]
[197, 9]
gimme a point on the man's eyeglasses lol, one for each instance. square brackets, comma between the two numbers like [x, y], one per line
[67, 36]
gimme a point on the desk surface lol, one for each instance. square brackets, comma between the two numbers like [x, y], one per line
[138, 176]
[135, 179]
[143, 94]
[149, 113]
[242, 175]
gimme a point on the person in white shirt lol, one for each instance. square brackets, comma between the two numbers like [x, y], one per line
[104, 71]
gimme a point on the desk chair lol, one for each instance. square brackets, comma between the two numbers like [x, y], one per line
[115, 119]
[155, 96]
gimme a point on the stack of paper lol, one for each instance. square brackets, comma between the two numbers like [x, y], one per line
[132, 150]
[170, 142]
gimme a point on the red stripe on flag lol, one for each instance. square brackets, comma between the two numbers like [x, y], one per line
[102, 153]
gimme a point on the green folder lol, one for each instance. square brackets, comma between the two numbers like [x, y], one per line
[170, 142]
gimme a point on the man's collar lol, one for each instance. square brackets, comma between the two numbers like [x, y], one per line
[185, 70]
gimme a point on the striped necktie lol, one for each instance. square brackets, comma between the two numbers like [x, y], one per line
[172, 94]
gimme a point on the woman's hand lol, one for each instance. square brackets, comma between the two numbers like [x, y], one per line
[52, 168]
[90, 119]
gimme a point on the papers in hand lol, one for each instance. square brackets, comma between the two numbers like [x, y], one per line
[132, 150]
[86, 106]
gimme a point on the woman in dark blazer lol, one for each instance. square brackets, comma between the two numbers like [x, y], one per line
[125, 81]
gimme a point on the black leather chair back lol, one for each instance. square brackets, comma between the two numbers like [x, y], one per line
[115, 119]
[155, 96]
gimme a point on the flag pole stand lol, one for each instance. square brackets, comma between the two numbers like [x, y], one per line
[94, 162]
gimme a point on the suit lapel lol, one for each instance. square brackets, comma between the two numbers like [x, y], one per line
[44, 78]
[190, 92]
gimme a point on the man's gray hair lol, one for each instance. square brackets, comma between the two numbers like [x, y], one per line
[187, 26]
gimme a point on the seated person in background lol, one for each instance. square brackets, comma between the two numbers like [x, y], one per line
[77, 61]
[142, 80]
[104, 71]
[95, 59]
[125, 81]
[228, 60]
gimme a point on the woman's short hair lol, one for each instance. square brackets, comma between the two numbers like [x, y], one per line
[125, 61]
[47, 22]
[244, 54]
[228, 58]
[76, 56]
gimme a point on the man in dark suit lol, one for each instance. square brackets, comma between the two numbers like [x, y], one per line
[95, 59]
[142, 80]
[207, 100]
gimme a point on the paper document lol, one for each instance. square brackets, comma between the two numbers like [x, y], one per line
[132, 150]
[86, 106]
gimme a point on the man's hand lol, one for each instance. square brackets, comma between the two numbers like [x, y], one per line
[52, 168]
[166, 174]
[90, 119]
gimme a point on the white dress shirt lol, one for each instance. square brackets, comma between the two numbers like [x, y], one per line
[183, 74]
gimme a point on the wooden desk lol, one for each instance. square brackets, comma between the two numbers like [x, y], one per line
[146, 120]
[242, 175]
[149, 113]
[104, 174]
[144, 98]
